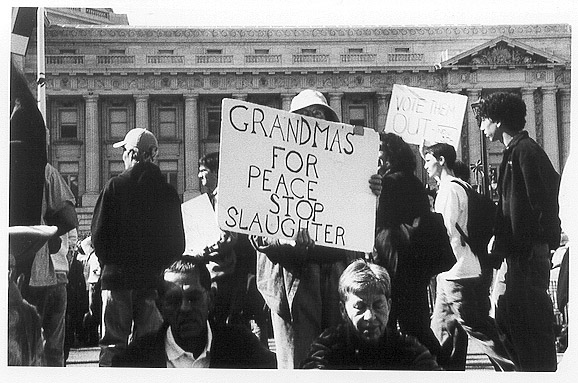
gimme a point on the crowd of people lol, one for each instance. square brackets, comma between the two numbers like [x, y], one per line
[131, 287]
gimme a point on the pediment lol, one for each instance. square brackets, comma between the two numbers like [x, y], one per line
[503, 52]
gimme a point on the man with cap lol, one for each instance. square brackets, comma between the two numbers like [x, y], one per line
[297, 279]
[137, 231]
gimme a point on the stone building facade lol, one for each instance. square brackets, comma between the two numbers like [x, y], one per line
[103, 80]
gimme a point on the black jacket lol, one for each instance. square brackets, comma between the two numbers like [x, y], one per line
[232, 347]
[338, 349]
[528, 206]
[137, 228]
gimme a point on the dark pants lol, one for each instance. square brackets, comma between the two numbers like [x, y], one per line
[524, 312]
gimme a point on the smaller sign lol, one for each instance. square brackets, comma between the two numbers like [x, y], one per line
[419, 115]
[200, 224]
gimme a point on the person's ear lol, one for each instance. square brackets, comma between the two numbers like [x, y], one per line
[442, 160]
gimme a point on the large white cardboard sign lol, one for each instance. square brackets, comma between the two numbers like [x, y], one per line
[279, 172]
[419, 115]
[200, 224]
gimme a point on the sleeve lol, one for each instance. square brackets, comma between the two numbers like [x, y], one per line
[448, 205]
[104, 226]
[319, 353]
[60, 202]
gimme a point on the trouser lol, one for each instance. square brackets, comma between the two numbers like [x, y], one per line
[315, 307]
[127, 315]
[525, 313]
[50, 301]
[462, 310]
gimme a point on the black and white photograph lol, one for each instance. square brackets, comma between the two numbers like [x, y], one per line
[253, 187]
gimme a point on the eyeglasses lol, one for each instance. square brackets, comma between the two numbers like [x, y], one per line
[313, 111]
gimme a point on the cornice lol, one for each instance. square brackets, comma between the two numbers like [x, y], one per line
[92, 32]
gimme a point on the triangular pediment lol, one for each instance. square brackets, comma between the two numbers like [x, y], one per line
[503, 52]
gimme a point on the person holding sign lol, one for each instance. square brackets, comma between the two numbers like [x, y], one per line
[297, 278]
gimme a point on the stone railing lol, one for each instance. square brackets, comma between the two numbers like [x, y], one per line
[262, 59]
[311, 58]
[358, 57]
[214, 59]
[64, 59]
[165, 59]
[114, 59]
[397, 57]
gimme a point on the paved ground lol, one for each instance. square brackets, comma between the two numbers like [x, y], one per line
[88, 357]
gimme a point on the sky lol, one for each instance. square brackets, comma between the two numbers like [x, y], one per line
[214, 13]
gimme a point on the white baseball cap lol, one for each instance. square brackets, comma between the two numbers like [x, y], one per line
[139, 138]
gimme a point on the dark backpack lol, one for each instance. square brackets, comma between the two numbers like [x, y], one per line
[481, 216]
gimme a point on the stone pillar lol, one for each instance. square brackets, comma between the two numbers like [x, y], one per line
[286, 101]
[92, 152]
[335, 103]
[474, 152]
[528, 97]
[464, 135]
[565, 108]
[550, 126]
[191, 149]
[383, 99]
[142, 112]
[240, 96]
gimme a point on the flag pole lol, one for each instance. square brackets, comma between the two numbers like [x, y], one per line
[41, 67]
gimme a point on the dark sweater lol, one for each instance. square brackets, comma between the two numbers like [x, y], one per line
[137, 228]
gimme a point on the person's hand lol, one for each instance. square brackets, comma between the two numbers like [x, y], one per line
[375, 184]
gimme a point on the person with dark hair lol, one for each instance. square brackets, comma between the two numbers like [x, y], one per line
[363, 340]
[137, 230]
[462, 303]
[462, 171]
[297, 279]
[188, 336]
[403, 199]
[527, 228]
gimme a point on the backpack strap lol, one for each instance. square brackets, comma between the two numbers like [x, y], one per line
[465, 238]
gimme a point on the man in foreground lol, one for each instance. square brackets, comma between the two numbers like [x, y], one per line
[187, 339]
[362, 340]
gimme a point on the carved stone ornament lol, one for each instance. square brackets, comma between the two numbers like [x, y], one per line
[502, 54]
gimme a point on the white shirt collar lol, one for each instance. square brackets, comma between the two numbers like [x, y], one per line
[177, 357]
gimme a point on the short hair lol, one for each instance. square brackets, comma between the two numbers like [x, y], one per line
[442, 149]
[461, 170]
[142, 156]
[210, 161]
[398, 153]
[507, 108]
[190, 265]
[362, 276]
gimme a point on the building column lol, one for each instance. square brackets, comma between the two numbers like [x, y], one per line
[528, 97]
[286, 100]
[460, 149]
[92, 152]
[383, 100]
[191, 149]
[240, 96]
[142, 112]
[335, 103]
[550, 126]
[474, 143]
[565, 108]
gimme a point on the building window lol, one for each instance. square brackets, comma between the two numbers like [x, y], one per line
[67, 51]
[308, 51]
[68, 123]
[167, 122]
[117, 51]
[358, 115]
[261, 51]
[169, 170]
[118, 122]
[214, 121]
[166, 52]
[69, 172]
[401, 50]
[355, 50]
[214, 51]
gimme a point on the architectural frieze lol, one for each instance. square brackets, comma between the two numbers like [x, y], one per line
[57, 32]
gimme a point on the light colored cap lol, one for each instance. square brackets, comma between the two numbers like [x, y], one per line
[310, 97]
[138, 138]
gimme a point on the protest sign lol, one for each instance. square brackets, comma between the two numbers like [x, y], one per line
[200, 224]
[279, 172]
[419, 115]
